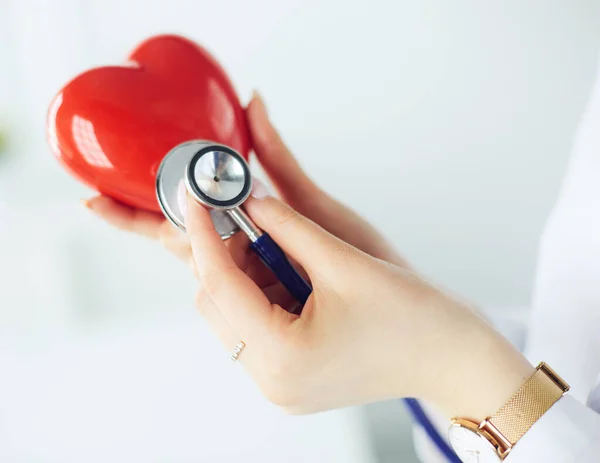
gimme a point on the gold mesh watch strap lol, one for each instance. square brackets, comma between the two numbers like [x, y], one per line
[529, 403]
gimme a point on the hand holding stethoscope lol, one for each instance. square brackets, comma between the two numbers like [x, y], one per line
[290, 181]
[353, 341]
[219, 178]
[365, 334]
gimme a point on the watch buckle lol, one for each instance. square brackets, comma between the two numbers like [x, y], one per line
[550, 373]
[502, 444]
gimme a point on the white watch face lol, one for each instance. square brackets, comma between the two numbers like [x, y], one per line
[471, 447]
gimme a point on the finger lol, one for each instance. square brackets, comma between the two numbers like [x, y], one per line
[237, 297]
[216, 321]
[125, 217]
[175, 241]
[245, 259]
[218, 325]
[307, 243]
[249, 262]
[259, 272]
[279, 295]
[238, 248]
[142, 223]
[283, 169]
[237, 244]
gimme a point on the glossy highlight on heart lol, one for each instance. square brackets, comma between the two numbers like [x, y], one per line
[110, 127]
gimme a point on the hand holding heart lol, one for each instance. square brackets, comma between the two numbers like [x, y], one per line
[110, 127]
[292, 184]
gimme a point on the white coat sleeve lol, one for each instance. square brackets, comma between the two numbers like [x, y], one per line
[564, 329]
[567, 433]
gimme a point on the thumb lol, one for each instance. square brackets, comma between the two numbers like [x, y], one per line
[315, 249]
[284, 171]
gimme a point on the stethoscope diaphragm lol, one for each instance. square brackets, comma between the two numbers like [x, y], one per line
[170, 174]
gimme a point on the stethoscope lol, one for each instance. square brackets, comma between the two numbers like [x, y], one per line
[219, 178]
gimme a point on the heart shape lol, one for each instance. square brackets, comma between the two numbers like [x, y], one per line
[110, 127]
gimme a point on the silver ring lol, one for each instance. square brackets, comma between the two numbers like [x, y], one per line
[237, 351]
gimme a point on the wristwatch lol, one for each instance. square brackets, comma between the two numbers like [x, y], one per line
[491, 440]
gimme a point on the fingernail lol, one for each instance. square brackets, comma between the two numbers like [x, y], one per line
[182, 198]
[259, 189]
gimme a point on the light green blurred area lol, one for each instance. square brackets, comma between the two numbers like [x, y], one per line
[3, 141]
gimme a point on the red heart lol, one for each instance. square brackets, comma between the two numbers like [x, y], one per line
[110, 127]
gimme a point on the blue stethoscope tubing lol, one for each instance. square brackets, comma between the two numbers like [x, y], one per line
[275, 259]
[421, 418]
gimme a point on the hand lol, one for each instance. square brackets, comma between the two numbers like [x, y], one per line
[290, 181]
[369, 331]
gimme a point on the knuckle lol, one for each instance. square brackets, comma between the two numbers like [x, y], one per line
[280, 381]
[193, 267]
[341, 254]
[167, 234]
[287, 216]
[213, 277]
[272, 142]
[281, 396]
[305, 204]
[202, 302]
[164, 239]
[168, 243]
[211, 283]
[196, 228]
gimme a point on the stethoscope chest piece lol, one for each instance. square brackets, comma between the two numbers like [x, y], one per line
[168, 184]
[219, 178]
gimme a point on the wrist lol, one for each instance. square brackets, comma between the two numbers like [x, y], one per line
[478, 369]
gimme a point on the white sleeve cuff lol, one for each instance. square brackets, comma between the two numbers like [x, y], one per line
[567, 433]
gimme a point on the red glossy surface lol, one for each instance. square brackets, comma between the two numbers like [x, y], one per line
[110, 127]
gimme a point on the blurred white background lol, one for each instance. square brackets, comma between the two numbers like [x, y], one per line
[447, 124]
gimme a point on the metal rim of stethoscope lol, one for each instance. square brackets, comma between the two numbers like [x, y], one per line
[170, 176]
[159, 194]
[202, 196]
